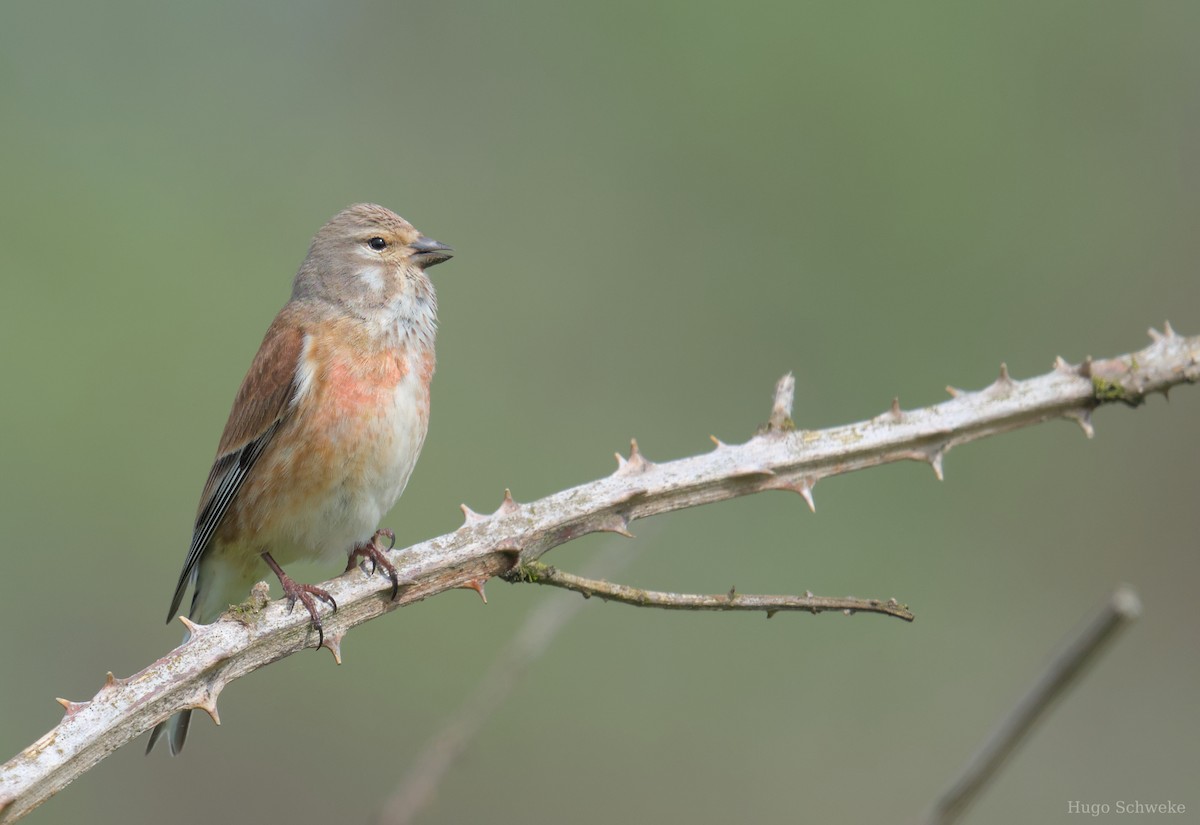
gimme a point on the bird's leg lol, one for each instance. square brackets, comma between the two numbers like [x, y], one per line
[306, 593]
[371, 550]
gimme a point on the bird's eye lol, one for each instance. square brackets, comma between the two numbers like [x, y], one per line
[377, 243]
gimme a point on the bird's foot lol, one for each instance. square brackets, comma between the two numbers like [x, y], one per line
[307, 594]
[373, 552]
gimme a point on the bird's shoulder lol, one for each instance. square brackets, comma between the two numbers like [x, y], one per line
[270, 382]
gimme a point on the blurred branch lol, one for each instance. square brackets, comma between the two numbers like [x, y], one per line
[418, 787]
[539, 573]
[1122, 608]
[778, 458]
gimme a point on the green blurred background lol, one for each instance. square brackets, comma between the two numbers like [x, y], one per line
[658, 209]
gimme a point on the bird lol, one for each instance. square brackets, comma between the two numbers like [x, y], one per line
[326, 427]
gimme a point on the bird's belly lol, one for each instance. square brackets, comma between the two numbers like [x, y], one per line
[354, 446]
[373, 471]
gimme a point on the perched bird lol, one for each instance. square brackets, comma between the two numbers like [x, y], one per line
[327, 425]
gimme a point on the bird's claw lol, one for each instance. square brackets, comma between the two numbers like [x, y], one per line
[307, 595]
[375, 554]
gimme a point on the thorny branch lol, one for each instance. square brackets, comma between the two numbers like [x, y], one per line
[778, 458]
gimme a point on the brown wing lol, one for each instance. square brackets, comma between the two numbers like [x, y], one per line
[259, 408]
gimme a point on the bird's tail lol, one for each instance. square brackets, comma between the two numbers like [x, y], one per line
[176, 729]
[216, 587]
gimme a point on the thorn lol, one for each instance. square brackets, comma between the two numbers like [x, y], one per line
[804, 487]
[110, 681]
[935, 461]
[718, 442]
[637, 463]
[894, 413]
[209, 706]
[508, 505]
[808, 594]
[70, 707]
[732, 594]
[806, 491]
[1168, 331]
[192, 627]
[771, 613]
[955, 392]
[1083, 369]
[1155, 335]
[781, 411]
[477, 586]
[1004, 381]
[1084, 419]
[785, 394]
[333, 643]
[615, 523]
[470, 516]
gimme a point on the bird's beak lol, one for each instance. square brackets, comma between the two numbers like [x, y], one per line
[428, 252]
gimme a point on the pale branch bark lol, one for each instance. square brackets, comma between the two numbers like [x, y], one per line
[254, 635]
[1122, 608]
[540, 573]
